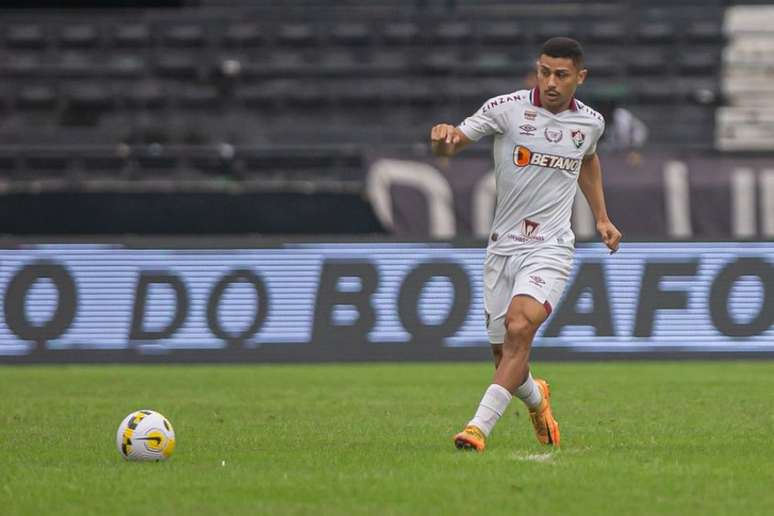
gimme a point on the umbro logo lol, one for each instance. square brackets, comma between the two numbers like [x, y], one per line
[527, 129]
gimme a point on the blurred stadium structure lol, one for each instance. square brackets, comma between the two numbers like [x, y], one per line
[236, 117]
[141, 119]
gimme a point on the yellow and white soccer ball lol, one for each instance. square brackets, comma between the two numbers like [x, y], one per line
[145, 435]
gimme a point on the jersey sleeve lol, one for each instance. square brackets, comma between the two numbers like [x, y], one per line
[593, 147]
[483, 122]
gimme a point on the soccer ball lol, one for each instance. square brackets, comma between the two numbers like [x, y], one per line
[145, 435]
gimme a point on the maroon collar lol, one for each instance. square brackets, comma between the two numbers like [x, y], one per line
[535, 99]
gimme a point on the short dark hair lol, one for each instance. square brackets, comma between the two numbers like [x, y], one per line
[564, 47]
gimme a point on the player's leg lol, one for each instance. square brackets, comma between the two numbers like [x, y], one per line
[538, 286]
[525, 316]
[517, 329]
[498, 284]
[497, 354]
[536, 282]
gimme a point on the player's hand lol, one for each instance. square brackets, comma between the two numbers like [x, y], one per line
[610, 235]
[444, 133]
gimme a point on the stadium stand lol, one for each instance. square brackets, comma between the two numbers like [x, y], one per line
[209, 75]
[747, 122]
[229, 59]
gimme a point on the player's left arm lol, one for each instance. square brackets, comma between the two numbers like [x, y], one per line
[590, 181]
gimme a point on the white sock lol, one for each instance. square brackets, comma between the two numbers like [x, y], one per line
[492, 406]
[529, 393]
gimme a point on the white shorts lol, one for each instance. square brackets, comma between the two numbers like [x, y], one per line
[540, 272]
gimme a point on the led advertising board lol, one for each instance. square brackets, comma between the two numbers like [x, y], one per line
[367, 301]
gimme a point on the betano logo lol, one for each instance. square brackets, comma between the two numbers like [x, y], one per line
[522, 157]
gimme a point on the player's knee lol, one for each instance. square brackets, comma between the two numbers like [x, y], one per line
[519, 330]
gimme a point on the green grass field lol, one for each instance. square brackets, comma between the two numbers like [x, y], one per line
[638, 438]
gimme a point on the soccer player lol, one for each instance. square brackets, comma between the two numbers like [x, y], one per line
[544, 146]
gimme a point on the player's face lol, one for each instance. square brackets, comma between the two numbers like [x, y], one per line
[558, 77]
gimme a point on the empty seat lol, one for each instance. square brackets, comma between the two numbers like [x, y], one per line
[22, 65]
[397, 91]
[351, 33]
[9, 164]
[127, 65]
[75, 64]
[285, 63]
[470, 93]
[211, 163]
[177, 65]
[297, 34]
[337, 62]
[453, 32]
[441, 62]
[365, 92]
[89, 96]
[309, 94]
[85, 104]
[656, 91]
[646, 61]
[281, 91]
[108, 162]
[243, 35]
[423, 94]
[603, 64]
[144, 94]
[258, 96]
[697, 60]
[78, 36]
[703, 31]
[606, 32]
[388, 62]
[490, 63]
[400, 32]
[131, 35]
[199, 96]
[183, 36]
[155, 160]
[7, 95]
[596, 91]
[36, 96]
[656, 32]
[500, 33]
[555, 28]
[48, 162]
[25, 36]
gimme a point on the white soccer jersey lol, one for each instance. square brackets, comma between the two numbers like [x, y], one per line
[537, 157]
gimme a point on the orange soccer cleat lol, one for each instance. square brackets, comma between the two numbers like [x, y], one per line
[546, 427]
[472, 438]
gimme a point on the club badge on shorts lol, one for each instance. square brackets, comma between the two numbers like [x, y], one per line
[530, 228]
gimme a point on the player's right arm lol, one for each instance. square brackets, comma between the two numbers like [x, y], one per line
[447, 140]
